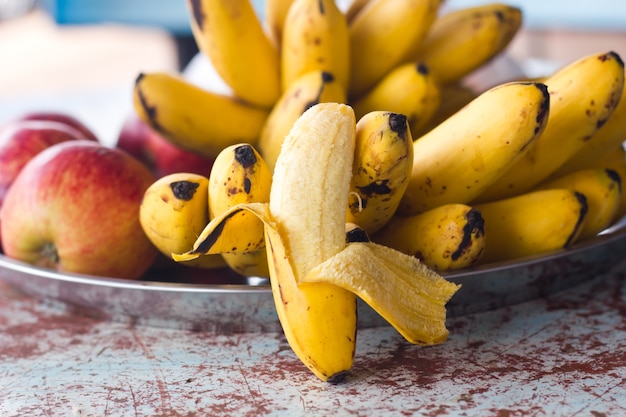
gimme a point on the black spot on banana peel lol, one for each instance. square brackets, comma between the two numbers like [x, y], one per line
[581, 218]
[184, 190]
[398, 124]
[356, 234]
[327, 77]
[475, 225]
[376, 187]
[244, 155]
[197, 12]
[614, 175]
[212, 237]
[151, 111]
[544, 110]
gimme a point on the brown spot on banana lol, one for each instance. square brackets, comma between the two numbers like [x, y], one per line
[583, 213]
[475, 225]
[184, 190]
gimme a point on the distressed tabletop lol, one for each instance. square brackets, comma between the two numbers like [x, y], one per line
[560, 355]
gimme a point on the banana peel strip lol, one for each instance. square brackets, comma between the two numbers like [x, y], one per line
[404, 291]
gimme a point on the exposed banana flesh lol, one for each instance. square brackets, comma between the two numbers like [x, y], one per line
[240, 175]
[457, 160]
[382, 164]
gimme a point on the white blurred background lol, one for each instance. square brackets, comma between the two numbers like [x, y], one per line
[82, 56]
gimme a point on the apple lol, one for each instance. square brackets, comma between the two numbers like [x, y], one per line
[21, 140]
[159, 154]
[56, 116]
[74, 207]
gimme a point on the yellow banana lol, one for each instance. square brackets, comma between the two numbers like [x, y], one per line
[583, 97]
[231, 35]
[315, 37]
[611, 135]
[408, 89]
[616, 161]
[463, 40]
[532, 223]
[174, 211]
[192, 118]
[453, 97]
[275, 12]
[458, 159]
[448, 237]
[240, 175]
[383, 35]
[307, 90]
[314, 272]
[602, 188]
[382, 164]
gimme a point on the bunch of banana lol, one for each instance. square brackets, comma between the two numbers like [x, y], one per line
[316, 273]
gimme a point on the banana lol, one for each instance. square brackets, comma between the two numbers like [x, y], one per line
[448, 237]
[463, 40]
[275, 12]
[602, 188]
[462, 156]
[453, 97]
[174, 211]
[615, 160]
[583, 95]
[382, 164]
[611, 135]
[231, 35]
[532, 223]
[307, 90]
[240, 175]
[408, 89]
[192, 118]
[315, 274]
[383, 35]
[315, 37]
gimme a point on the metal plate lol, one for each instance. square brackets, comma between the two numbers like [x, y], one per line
[219, 301]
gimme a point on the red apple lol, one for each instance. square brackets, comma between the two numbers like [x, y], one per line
[21, 140]
[75, 208]
[159, 154]
[60, 117]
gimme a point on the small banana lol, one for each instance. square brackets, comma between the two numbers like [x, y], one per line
[173, 213]
[603, 189]
[305, 91]
[382, 164]
[275, 12]
[240, 175]
[462, 156]
[383, 35]
[315, 37]
[583, 95]
[314, 273]
[608, 137]
[407, 89]
[532, 223]
[192, 118]
[445, 238]
[231, 35]
[463, 40]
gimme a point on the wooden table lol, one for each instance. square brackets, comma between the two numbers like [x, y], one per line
[560, 355]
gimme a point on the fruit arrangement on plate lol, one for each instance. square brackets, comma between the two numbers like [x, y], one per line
[350, 160]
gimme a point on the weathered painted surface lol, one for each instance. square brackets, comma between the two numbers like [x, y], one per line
[560, 355]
